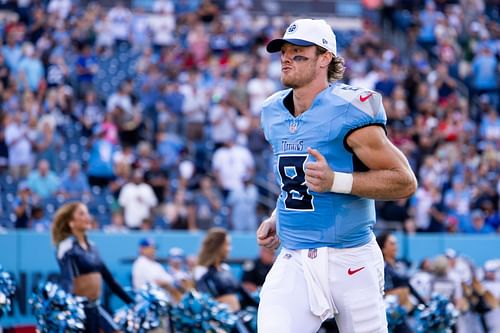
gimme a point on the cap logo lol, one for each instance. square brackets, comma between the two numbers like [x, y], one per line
[292, 28]
[324, 41]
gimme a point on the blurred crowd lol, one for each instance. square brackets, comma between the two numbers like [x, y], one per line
[150, 114]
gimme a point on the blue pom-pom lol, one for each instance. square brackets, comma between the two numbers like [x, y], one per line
[57, 311]
[438, 317]
[146, 314]
[199, 313]
[7, 291]
[395, 313]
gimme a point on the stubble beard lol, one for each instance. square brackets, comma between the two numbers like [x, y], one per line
[299, 79]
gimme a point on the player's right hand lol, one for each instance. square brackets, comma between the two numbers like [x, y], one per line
[266, 234]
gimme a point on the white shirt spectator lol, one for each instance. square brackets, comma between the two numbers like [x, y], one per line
[59, 7]
[259, 88]
[232, 165]
[120, 18]
[162, 26]
[223, 119]
[137, 201]
[20, 150]
[145, 270]
[163, 6]
[123, 101]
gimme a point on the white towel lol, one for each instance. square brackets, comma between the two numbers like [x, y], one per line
[315, 264]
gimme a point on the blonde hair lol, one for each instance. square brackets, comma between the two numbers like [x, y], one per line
[60, 226]
[212, 247]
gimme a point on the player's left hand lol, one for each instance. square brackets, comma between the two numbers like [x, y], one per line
[319, 175]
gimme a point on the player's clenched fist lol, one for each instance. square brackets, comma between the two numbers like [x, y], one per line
[319, 175]
[266, 234]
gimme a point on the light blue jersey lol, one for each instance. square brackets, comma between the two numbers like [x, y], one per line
[307, 219]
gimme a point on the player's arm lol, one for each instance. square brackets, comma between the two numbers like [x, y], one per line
[390, 176]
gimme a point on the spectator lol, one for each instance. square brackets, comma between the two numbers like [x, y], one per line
[117, 226]
[31, 69]
[23, 206]
[206, 204]
[223, 121]
[48, 143]
[158, 178]
[39, 222]
[478, 225]
[146, 269]
[177, 268]
[43, 182]
[74, 184]
[177, 212]
[137, 200]
[484, 75]
[243, 204]
[120, 18]
[20, 142]
[230, 164]
[100, 171]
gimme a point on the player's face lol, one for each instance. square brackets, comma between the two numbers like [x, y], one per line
[299, 65]
[81, 219]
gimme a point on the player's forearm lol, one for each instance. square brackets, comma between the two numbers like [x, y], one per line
[384, 184]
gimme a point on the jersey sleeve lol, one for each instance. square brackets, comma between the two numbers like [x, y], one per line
[365, 109]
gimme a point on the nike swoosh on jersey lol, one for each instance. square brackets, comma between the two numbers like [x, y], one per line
[364, 98]
[351, 271]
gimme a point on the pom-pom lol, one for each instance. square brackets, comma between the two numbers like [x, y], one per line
[7, 291]
[56, 310]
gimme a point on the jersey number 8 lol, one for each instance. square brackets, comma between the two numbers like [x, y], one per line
[293, 182]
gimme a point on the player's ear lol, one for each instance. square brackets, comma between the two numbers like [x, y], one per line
[325, 59]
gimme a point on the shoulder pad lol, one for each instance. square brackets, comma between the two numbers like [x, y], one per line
[366, 100]
[64, 247]
[275, 96]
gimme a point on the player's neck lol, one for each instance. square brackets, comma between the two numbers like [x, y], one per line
[304, 96]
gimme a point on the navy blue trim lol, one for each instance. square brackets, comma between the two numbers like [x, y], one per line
[276, 44]
[346, 146]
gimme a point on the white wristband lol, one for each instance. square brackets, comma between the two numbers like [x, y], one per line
[342, 183]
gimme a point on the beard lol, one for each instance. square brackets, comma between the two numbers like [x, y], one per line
[298, 79]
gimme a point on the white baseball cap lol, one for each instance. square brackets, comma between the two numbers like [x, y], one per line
[306, 32]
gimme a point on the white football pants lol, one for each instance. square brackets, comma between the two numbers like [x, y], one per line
[356, 282]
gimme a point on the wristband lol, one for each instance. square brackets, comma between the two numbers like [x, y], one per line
[342, 183]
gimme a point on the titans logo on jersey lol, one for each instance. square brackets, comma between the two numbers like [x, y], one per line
[307, 219]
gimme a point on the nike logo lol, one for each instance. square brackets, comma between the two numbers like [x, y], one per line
[351, 271]
[364, 98]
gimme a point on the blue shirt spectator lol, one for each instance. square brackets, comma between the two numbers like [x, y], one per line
[43, 182]
[74, 183]
[12, 53]
[484, 70]
[477, 224]
[101, 161]
[31, 67]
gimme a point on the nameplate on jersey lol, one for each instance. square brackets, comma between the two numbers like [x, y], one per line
[287, 145]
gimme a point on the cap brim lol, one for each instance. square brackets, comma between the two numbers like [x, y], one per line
[276, 44]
